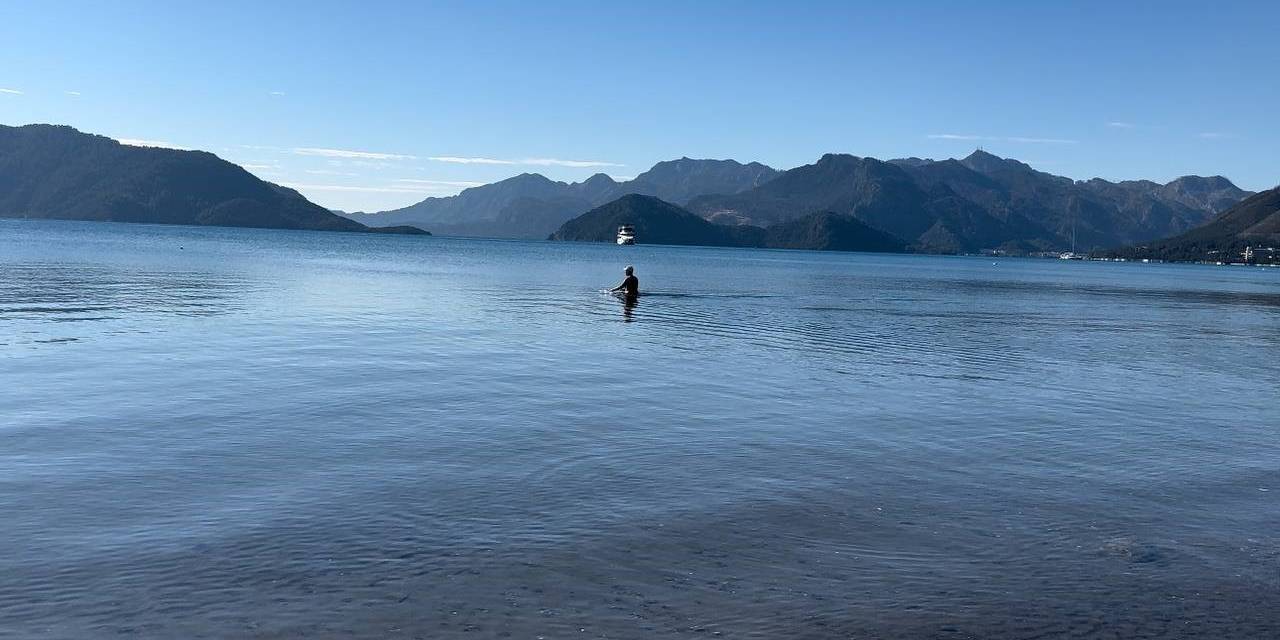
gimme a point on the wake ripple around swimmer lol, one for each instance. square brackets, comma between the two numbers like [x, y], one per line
[773, 322]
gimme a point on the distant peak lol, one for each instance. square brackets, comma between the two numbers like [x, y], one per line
[979, 154]
[982, 161]
[1203, 182]
[836, 157]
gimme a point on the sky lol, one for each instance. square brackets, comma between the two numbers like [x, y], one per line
[374, 105]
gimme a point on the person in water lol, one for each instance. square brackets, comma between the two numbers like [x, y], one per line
[630, 286]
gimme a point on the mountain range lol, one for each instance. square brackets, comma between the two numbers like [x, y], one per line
[981, 202]
[57, 172]
[1253, 223]
[660, 222]
[531, 206]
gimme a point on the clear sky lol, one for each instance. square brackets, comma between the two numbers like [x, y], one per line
[369, 105]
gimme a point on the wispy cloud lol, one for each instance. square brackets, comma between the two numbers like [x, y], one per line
[276, 93]
[1042, 140]
[260, 167]
[441, 183]
[352, 188]
[74, 94]
[536, 162]
[622, 178]
[328, 172]
[1120, 125]
[345, 153]
[136, 142]
[459, 160]
[554, 162]
[1215, 135]
[11, 92]
[1019, 139]
[955, 136]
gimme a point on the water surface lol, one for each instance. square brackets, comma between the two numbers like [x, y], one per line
[230, 433]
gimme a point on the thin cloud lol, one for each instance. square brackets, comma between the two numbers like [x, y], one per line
[327, 172]
[459, 160]
[622, 178]
[12, 92]
[1042, 140]
[441, 183]
[1120, 125]
[136, 142]
[536, 162]
[351, 188]
[74, 94]
[276, 93]
[345, 153]
[260, 167]
[1215, 135]
[1019, 139]
[555, 162]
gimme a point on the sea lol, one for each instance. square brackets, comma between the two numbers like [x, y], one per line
[239, 433]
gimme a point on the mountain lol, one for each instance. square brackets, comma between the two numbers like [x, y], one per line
[57, 172]
[980, 202]
[682, 180]
[660, 222]
[884, 195]
[1214, 193]
[531, 206]
[1255, 223]
[826, 231]
[656, 222]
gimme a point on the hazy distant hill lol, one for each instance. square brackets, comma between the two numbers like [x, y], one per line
[58, 172]
[659, 222]
[531, 206]
[980, 202]
[1255, 222]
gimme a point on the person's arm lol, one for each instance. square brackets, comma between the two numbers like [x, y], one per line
[619, 287]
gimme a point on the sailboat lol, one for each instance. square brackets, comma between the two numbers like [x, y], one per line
[1072, 255]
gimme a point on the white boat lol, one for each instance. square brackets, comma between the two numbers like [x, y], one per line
[626, 234]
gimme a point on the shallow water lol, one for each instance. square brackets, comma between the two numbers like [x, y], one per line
[232, 433]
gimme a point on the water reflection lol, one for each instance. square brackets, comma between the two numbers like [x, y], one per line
[629, 303]
[63, 295]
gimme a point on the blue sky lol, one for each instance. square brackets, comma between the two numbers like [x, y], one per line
[369, 105]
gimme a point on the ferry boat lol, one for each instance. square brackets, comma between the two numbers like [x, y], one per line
[626, 234]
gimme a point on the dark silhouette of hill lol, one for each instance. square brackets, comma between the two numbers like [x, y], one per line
[656, 222]
[57, 172]
[531, 206]
[1253, 223]
[826, 231]
[660, 222]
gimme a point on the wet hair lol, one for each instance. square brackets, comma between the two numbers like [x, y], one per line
[629, 269]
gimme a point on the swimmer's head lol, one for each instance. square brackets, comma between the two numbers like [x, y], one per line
[629, 269]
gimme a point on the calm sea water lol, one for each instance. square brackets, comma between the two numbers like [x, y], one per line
[237, 433]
